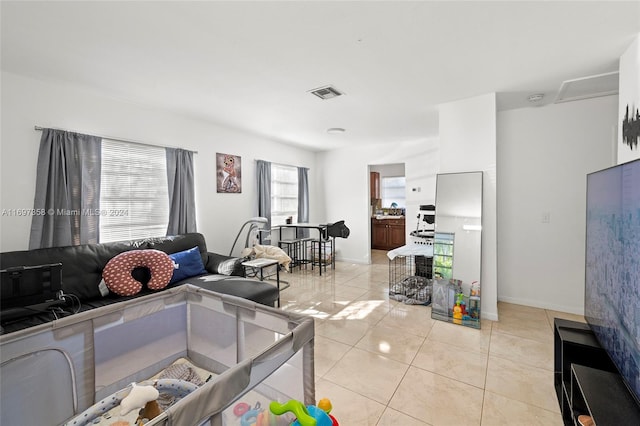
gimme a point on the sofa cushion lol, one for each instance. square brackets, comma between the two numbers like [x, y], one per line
[187, 264]
[118, 276]
[257, 291]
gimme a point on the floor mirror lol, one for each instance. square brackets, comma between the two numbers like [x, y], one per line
[457, 249]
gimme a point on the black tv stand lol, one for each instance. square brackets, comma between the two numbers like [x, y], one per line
[586, 379]
[576, 330]
[603, 396]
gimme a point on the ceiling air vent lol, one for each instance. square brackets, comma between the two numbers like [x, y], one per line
[326, 92]
[588, 87]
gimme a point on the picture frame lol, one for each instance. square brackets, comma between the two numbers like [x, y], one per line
[228, 173]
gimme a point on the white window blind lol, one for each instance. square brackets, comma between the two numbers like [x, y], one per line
[284, 193]
[134, 200]
[393, 191]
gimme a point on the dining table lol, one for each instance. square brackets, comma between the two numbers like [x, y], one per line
[321, 228]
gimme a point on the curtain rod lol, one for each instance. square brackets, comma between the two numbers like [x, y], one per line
[282, 164]
[40, 128]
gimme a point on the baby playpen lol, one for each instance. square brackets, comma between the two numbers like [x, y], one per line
[55, 372]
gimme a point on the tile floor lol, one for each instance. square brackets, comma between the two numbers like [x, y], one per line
[382, 362]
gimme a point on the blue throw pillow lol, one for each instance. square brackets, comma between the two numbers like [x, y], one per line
[188, 263]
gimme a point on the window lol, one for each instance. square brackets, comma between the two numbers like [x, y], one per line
[284, 193]
[134, 200]
[393, 191]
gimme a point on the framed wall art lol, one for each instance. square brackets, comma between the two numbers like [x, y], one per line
[228, 173]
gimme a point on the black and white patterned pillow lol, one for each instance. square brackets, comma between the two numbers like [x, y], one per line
[227, 267]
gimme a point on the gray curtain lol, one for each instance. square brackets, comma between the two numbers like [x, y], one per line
[303, 198]
[67, 190]
[263, 172]
[182, 201]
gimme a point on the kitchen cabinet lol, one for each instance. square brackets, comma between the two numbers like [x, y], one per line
[387, 234]
[374, 183]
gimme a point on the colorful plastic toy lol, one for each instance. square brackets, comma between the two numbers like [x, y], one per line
[249, 418]
[325, 405]
[254, 415]
[241, 408]
[310, 415]
[458, 311]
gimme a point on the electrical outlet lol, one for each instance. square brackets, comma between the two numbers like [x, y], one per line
[546, 217]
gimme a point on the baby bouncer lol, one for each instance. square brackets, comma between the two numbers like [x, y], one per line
[251, 230]
[248, 244]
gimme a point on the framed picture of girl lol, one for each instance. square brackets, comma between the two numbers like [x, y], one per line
[229, 173]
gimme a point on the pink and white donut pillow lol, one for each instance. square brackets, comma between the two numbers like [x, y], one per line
[117, 272]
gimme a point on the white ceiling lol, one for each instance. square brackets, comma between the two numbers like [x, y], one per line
[250, 65]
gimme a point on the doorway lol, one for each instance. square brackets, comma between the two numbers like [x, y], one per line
[387, 208]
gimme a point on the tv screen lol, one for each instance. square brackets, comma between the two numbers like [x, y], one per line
[612, 273]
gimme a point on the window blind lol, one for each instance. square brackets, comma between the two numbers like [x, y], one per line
[134, 200]
[284, 193]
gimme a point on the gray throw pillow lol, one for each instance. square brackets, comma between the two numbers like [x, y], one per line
[227, 267]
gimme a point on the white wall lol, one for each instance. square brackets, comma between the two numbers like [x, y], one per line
[468, 144]
[544, 155]
[389, 170]
[27, 102]
[629, 95]
[345, 187]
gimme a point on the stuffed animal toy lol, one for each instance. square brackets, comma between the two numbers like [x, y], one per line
[149, 412]
[138, 398]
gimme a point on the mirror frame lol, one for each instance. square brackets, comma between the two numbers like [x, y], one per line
[464, 221]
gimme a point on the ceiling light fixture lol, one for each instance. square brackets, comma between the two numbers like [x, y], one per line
[536, 98]
[335, 130]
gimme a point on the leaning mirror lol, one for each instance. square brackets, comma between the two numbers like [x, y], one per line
[457, 248]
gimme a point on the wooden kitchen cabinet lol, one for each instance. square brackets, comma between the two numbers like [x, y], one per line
[387, 234]
[379, 234]
[396, 233]
[374, 183]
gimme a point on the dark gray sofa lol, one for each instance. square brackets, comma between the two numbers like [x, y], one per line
[82, 272]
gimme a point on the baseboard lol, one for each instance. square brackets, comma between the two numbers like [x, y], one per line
[491, 316]
[347, 260]
[543, 305]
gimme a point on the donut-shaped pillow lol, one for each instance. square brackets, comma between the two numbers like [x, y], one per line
[171, 388]
[117, 272]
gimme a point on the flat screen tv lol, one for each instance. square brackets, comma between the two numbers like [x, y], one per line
[612, 272]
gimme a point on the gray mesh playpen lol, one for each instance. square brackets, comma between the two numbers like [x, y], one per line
[53, 372]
